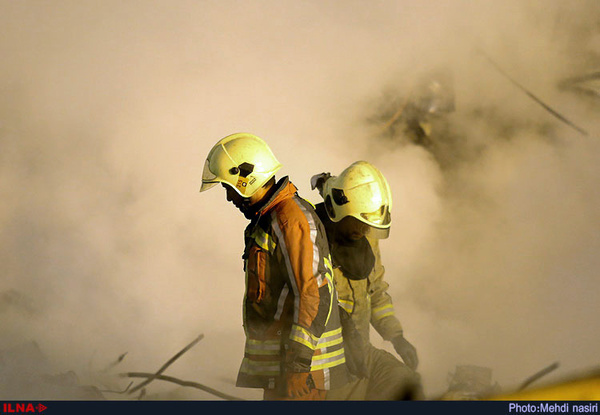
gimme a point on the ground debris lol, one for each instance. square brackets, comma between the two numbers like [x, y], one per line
[158, 375]
[183, 383]
[470, 382]
[25, 374]
[167, 364]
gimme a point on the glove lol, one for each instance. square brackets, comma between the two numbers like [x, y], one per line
[317, 181]
[354, 346]
[407, 351]
[299, 384]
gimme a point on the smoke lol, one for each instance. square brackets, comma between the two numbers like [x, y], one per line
[107, 112]
[497, 246]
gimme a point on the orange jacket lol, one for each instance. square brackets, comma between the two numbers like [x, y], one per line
[291, 318]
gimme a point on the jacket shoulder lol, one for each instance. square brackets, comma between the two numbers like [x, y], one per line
[295, 211]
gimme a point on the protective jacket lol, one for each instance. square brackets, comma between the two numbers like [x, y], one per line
[290, 315]
[358, 277]
[365, 296]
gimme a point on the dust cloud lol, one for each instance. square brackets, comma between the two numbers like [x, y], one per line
[107, 112]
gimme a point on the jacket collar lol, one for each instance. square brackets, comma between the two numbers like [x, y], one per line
[283, 189]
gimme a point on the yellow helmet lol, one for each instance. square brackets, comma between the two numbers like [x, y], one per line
[360, 191]
[243, 161]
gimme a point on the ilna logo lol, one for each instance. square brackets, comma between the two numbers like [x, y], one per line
[18, 408]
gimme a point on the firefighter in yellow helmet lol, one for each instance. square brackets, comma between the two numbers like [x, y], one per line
[356, 212]
[294, 347]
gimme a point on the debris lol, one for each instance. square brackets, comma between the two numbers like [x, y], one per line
[182, 383]
[119, 392]
[397, 114]
[429, 99]
[142, 394]
[583, 386]
[470, 382]
[166, 365]
[530, 95]
[538, 375]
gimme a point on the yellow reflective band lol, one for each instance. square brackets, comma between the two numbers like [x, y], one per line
[263, 240]
[330, 306]
[329, 272]
[253, 367]
[265, 342]
[326, 360]
[331, 338]
[330, 343]
[263, 352]
[303, 336]
[330, 288]
[325, 356]
[346, 305]
[327, 262]
[332, 332]
[382, 307]
[382, 311]
[379, 317]
[263, 347]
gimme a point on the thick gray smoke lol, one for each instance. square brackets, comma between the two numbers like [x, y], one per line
[107, 112]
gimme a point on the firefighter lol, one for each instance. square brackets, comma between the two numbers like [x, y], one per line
[356, 212]
[294, 347]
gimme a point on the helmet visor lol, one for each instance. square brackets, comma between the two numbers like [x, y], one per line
[381, 218]
[209, 179]
[379, 233]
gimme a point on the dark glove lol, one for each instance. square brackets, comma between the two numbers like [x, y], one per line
[355, 347]
[317, 181]
[299, 384]
[407, 351]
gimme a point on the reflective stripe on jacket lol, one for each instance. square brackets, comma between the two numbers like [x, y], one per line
[289, 305]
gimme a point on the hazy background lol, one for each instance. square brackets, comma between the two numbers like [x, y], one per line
[108, 110]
